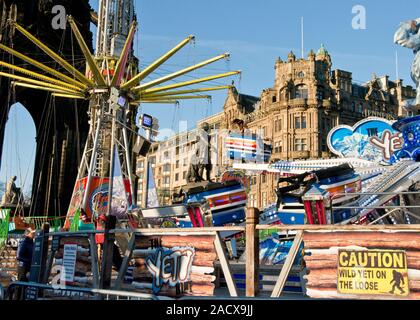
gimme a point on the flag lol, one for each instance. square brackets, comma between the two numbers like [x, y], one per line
[119, 202]
[75, 222]
[152, 198]
[4, 225]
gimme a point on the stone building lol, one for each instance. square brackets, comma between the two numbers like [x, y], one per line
[307, 99]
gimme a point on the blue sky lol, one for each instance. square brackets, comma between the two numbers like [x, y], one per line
[255, 33]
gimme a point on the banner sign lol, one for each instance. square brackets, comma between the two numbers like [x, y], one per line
[69, 264]
[247, 148]
[371, 139]
[372, 272]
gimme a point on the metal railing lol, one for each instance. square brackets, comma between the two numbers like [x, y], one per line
[353, 203]
[97, 294]
[38, 221]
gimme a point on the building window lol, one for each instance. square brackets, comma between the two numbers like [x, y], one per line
[264, 199]
[141, 175]
[263, 178]
[176, 176]
[277, 125]
[301, 74]
[177, 164]
[166, 180]
[140, 164]
[253, 181]
[278, 147]
[353, 106]
[252, 200]
[152, 160]
[303, 122]
[297, 122]
[360, 108]
[167, 167]
[320, 94]
[184, 174]
[300, 145]
[184, 163]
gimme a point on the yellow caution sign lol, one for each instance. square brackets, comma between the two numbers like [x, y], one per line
[379, 272]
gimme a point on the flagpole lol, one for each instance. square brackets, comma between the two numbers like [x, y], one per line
[301, 30]
[146, 191]
[111, 166]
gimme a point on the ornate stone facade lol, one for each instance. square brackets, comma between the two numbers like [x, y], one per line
[307, 99]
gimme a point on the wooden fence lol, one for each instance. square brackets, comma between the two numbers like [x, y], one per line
[321, 244]
[319, 268]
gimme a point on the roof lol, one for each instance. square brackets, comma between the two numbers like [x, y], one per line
[359, 91]
[247, 102]
[322, 51]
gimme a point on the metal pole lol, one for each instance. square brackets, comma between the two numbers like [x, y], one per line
[128, 162]
[385, 215]
[146, 173]
[111, 167]
[92, 160]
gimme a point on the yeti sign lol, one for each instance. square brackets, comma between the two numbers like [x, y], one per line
[372, 272]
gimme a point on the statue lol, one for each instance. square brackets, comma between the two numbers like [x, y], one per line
[200, 160]
[13, 195]
[408, 36]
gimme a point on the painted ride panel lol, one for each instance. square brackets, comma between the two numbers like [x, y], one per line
[226, 201]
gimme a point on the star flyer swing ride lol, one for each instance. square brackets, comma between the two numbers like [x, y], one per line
[114, 88]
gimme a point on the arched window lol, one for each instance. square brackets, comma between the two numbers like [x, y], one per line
[301, 92]
[19, 150]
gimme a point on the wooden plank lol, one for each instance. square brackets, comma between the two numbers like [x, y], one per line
[124, 265]
[252, 252]
[225, 265]
[401, 227]
[49, 266]
[179, 231]
[362, 235]
[287, 265]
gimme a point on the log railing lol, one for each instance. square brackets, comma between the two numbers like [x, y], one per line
[251, 229]
[252, 245]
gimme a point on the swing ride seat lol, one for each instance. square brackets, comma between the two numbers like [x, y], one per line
[226, 201]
